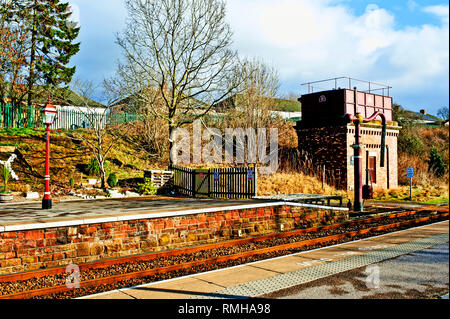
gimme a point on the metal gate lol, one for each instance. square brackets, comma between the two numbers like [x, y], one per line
[236, 182]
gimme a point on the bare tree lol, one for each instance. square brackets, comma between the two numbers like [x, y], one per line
[258, 91]
[443, 113]
[103, 136]
[177, 59]
[250, 110]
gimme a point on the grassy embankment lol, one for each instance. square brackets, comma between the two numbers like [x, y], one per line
[70, 158]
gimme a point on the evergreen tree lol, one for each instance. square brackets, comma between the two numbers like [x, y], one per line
[51, 41]
[435, 163]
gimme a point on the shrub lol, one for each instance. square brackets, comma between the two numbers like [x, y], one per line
[435, 163]
[410, 143]
[147, 187]
[112, 180]
[71, 182]
[94, 169]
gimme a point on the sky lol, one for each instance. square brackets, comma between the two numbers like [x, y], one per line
[400, 43]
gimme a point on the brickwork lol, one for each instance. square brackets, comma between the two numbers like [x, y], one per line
[325, 146]
[331, 146]
[371, 139]
[51, 247]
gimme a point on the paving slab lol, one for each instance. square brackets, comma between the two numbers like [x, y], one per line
[284, 264]
[178, 289]
[418, 275]
[116, 294]
[31, 213]
[236, 276]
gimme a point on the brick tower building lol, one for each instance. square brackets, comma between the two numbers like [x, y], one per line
[325, 136]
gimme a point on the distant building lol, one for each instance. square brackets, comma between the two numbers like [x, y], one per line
[284, 108]
[420, 118]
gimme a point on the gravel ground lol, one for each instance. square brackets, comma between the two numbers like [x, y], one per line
[419, 275]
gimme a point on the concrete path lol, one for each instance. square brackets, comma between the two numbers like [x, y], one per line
[418, 275]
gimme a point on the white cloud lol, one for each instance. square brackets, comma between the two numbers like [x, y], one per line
[311, 40]
[412, 5]
[440, 10]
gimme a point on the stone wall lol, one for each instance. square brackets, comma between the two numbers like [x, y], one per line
[50, 247]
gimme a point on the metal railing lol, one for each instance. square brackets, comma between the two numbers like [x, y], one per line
[21, 116]
[343, 81]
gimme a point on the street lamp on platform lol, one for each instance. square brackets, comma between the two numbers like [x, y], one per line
[49, 112]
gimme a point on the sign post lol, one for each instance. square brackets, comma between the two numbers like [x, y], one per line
[410, 174]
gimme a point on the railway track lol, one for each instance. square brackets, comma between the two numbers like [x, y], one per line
[128, 271]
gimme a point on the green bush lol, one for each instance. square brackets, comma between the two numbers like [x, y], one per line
[94, 169]
[435, 163]
[71, 182]
[410, 143]
[112, 180]
[11, 131]
[147, 187]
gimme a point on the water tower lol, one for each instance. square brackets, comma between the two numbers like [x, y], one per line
[325, 135]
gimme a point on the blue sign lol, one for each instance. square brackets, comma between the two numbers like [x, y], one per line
[249, 174]
[216, 176]
[409, 172]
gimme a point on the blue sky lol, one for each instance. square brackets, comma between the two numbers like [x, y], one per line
[402, 43]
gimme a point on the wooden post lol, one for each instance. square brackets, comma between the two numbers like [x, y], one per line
[193, 182]
[209, 182]
[410, 188]
[256, 181]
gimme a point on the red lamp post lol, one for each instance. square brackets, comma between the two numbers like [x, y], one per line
[49, 116]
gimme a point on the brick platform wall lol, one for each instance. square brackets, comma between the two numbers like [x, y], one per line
[50, 247]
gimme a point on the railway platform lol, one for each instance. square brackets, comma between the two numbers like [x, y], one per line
[77, 210]
[77, 232]
[411, 263]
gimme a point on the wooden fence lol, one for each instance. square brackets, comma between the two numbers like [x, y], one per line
[22, 116]
[230, 183]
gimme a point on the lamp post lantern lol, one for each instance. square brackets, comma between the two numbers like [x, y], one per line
[49, 116]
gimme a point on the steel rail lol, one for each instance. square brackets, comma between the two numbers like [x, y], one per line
[215, 260]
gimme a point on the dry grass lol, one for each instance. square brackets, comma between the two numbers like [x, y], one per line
[425, 194]
[291, 183]
[426, 186]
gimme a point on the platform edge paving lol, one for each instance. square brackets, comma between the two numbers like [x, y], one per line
[301, 276]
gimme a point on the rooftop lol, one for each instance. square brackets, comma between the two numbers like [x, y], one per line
[345, 82]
